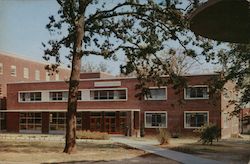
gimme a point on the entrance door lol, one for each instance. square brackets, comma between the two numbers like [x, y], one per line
[95, 123]
[110, 126]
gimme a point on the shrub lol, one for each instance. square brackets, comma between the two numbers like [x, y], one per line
[92, 135]
[163, 136]
[208, 133]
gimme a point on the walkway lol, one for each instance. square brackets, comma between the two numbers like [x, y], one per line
[170, 154]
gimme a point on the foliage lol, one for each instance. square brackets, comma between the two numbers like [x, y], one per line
[92, 135]
[163, 136]
[138, 29]
[208, 133]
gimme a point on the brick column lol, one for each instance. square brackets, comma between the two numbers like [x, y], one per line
[12, 121]
[117, 121]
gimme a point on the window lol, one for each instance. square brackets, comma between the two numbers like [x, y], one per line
[30, 96]
[195, 119]
[25, 73]
[108, 94]
[1, 92]
[155, 119]
[156, 94]
[30, 122]
[2, 121]
[37, 75]
[225, 119]
[47, 76]
[1, 68]
[58, 121]
[199, 92]
[57, 76]
[13, 70]
[63, 95]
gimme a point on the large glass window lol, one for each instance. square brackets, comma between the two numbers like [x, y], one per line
[58, 121]
[156, 94]
[2, 121]
[63, 95]
[30, 121]
[155, 120]
[195, 119]
[30, 96]
[196, 93]
[108, 94]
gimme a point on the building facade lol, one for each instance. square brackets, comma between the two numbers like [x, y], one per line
[14, 68]
[108, 104]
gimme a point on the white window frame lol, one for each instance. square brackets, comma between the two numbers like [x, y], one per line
[33, 118]
[151, 99]
[126, 90]
[1, 68]
[152, 112]
[13, 68]
[185, 112]
[37, 75]
[196, 98]
[26, 73]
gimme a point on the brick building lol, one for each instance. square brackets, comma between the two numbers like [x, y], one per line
[108, 104]
[17, 69]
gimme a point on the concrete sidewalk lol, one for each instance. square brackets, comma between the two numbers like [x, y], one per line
[170, 154]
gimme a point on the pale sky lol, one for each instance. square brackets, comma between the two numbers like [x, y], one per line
[23, 29]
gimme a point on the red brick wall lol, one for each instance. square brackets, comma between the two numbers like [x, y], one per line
[7, 60]
[12, 119]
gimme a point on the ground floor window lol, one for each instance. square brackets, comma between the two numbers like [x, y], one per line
[195, 119]
[2, 121]
[58, 121]
[155, 119]
[30, 121]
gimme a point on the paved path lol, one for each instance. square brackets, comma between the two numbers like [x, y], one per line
[170, 154]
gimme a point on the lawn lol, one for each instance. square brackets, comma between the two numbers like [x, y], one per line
[228, 151]
[88, 152]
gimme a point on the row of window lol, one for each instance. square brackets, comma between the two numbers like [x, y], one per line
[120, 94]
[57, 120]
[191, 119]
[114, 94]
[26, 73]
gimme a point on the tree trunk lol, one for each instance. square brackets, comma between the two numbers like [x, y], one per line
[70, 140]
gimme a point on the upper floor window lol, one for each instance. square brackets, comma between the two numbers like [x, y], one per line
[194, 119]
[47, 76]
[156, 94]
[57, 77]
[13, 70]
[30, 96]
[1, 68]
[1, 92]
[196, 92]
[62, 95]
[25, 73]
[108, 94]
[155, 119]
[37, 75]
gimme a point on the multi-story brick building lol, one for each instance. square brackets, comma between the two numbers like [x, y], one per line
[108, 104]
[17, 69]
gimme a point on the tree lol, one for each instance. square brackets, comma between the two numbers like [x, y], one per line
[90, 67]
[139, 29]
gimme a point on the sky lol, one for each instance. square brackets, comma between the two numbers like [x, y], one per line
[22, 30]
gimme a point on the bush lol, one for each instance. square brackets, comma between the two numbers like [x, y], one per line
[92, 135]
[163, 136]
[208, 133]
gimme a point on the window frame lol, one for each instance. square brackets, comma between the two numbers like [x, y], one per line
[26, 73]
[108, 89]
[1, 68]
[151, 99]
[185, 119]
[196, 98]
[37, 75]
[27, 123]
[155, 112]
[13, 68]
[29, 92]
